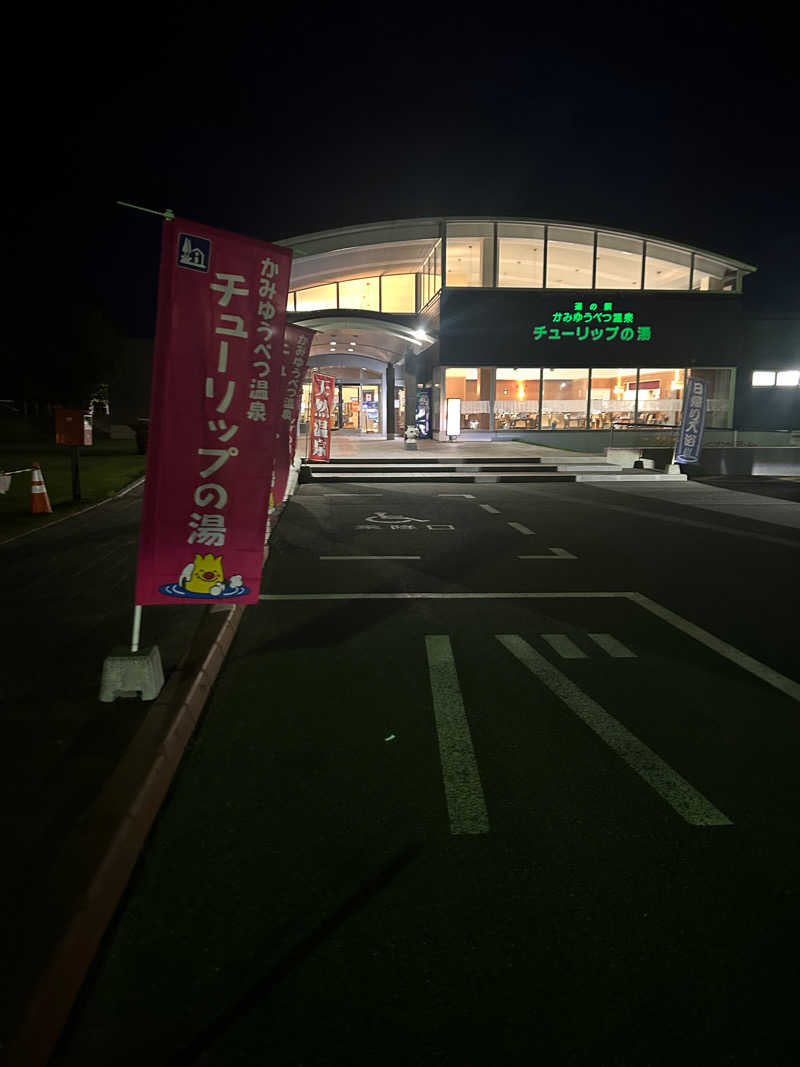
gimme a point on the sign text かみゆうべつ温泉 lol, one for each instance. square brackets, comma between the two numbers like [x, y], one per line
[593, 322]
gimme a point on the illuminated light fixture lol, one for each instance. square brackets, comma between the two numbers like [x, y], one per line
[520, 389]
[676, 384]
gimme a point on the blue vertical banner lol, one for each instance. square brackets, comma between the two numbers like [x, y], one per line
[693, 421]
[423, 411]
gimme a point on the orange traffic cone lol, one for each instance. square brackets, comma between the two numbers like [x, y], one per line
[40, 501]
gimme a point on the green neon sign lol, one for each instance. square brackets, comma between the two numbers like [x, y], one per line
[593, 322]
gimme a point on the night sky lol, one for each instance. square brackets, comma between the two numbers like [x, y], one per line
[677, 121]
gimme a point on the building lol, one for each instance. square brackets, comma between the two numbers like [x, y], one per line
[536, 328]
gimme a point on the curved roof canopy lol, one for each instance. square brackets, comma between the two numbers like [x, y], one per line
[402, 246]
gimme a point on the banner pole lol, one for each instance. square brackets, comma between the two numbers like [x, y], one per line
[137, 625]
[169, 214]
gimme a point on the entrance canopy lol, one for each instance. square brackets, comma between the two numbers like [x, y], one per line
[380, 338]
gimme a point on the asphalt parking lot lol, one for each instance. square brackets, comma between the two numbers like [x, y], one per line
[487, 775]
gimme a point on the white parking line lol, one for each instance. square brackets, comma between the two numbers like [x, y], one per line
[741, 659]
[370, 557]
[722, 648]
[489, 508]
[466, 806]
[612, 646]
[554, 553]
[684, 798]
[522, 529]
[564, 647]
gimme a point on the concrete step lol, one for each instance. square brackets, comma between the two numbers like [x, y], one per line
[424, 468]
[454, 477]
[462, 468]
[420, 458]
[321, 473]
[632, 476]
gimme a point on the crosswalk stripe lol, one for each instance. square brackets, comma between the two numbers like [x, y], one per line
[612, 646]
[522, 529]
[466, 806]
[563, 646]
[489, 508]
[675, 790]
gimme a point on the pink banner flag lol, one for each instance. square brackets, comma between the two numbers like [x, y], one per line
[214, 412]
[321, 416]
[296, 348]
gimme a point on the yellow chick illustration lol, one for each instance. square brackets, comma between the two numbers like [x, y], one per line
[204, 575]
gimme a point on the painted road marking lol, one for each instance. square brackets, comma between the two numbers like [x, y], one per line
[352, 494]
[682, 797]
[467, 496]
[612, 646]
[520, 527]
[489, 508]
[466, 806]
[563, 646]
[741, 659]
[370, 557]
[554, 553]
[128, 488]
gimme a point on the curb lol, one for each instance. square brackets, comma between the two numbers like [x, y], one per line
[73, 515]
[95, 862]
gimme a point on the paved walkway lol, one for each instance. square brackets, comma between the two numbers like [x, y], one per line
[363, 448]
[712, 498]
[685, 494]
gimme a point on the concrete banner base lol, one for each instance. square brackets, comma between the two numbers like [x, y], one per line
[130, 674]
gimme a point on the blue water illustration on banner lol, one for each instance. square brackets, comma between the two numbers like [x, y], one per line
[173, 589]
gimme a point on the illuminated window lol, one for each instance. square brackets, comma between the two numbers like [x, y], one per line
[398, 293]
[564, 395]
[788, 377]
[516, 405]
[660, 395]
[666, 267]
[619, 262]
[763, 377]
[613, 399]
[469, 254]
[719, 404]
[569, 258]
[361, 294]
[713, 276]
[520, 248]
[472, 386]
[316, 299]
[290, 302]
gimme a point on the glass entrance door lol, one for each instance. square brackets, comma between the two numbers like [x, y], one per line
[350, 406]
[370, 408]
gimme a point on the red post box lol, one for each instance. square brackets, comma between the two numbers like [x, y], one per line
[73, 427]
